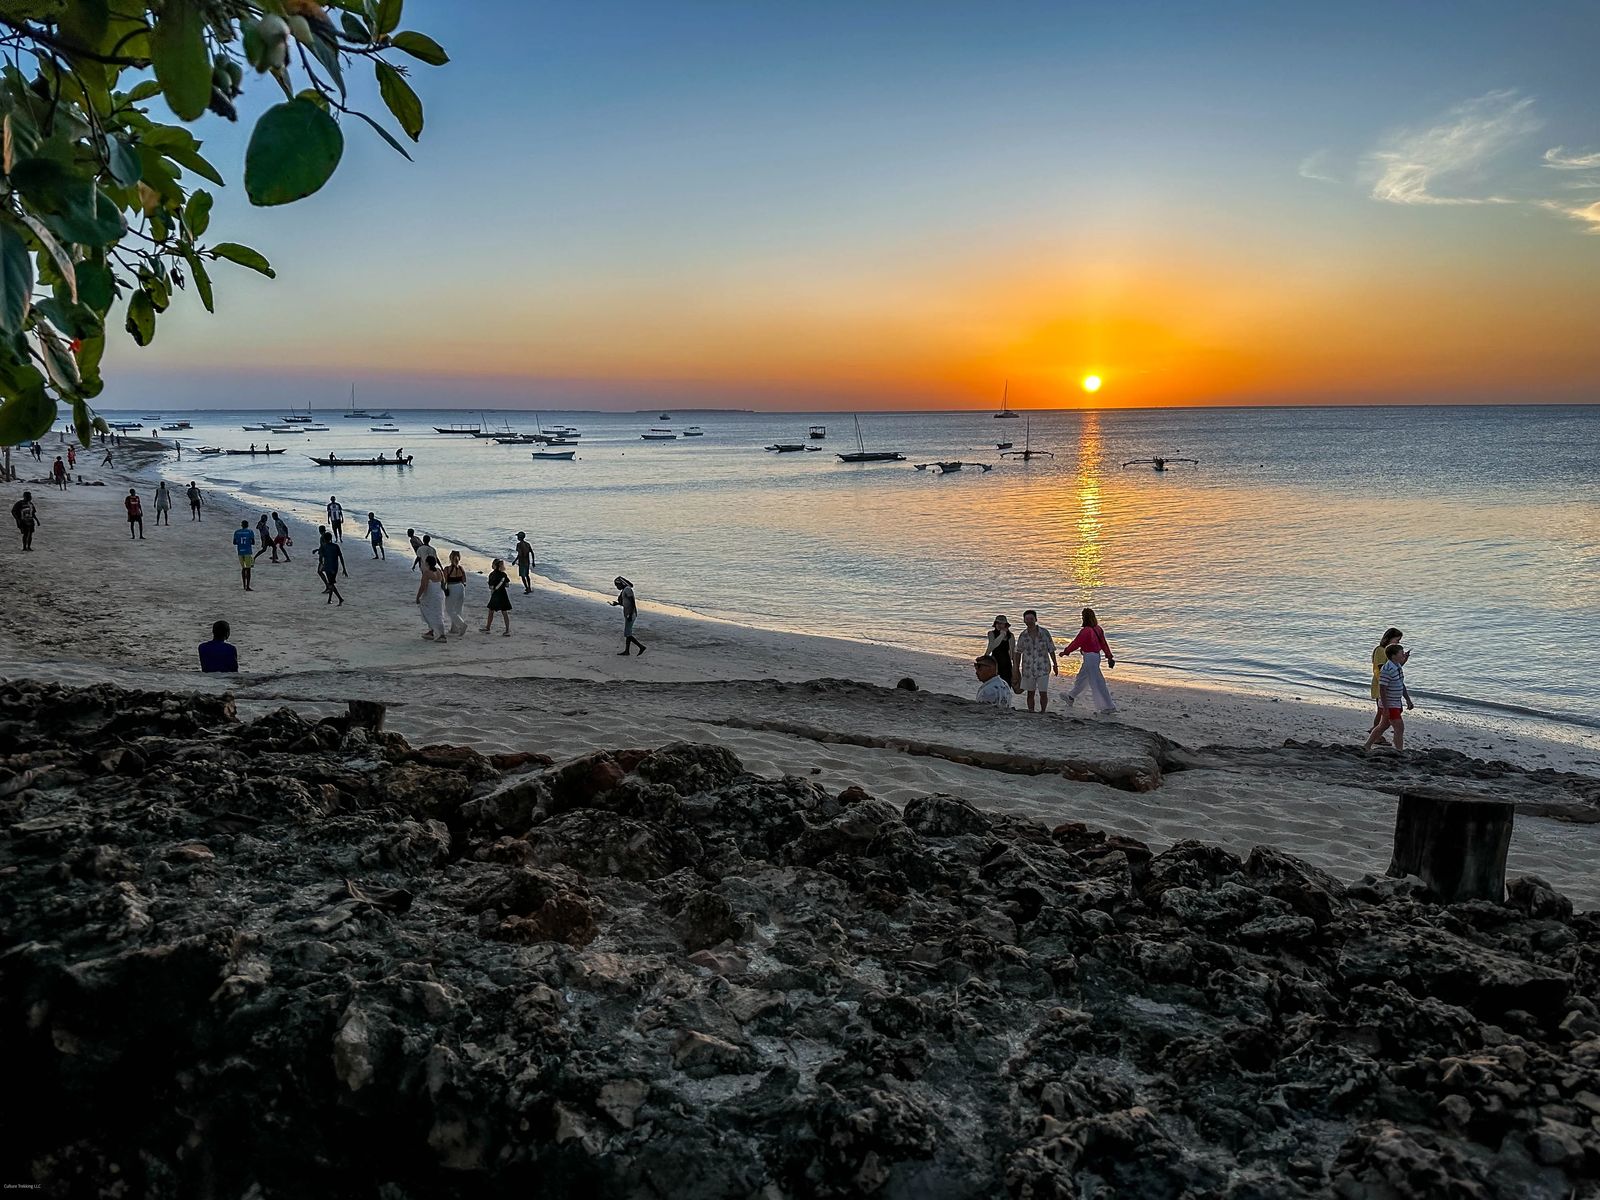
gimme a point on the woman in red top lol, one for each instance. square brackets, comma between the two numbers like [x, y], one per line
[1091, 643]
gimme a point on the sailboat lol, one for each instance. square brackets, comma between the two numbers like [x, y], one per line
[1005, 413]
[358, 414]
[863, 455]
[1027, 450]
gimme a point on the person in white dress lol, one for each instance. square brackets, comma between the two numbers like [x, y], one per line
[455, 582]
[430, 598]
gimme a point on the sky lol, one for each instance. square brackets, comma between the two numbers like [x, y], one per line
[842, 206]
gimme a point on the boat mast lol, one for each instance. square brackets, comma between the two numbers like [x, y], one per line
[860, 445]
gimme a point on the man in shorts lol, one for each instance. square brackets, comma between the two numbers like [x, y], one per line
[1036, 657]
[416, 548]
[244, 541]
[375, 532]
[524, 553]
[336, 518]
[1392, 693]
[135, 509]
[280, 538]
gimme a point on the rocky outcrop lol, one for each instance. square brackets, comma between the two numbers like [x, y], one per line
[289, 958]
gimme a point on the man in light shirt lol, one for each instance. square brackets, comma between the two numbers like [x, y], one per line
[1036, 660]
[992, 689]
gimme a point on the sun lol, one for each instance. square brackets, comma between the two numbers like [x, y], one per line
[1091, 383]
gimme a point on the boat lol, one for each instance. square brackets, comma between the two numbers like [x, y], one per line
[461, 428]
[787, 447]
[557, 441]
[256, 428]
[380, 461]
[124, 426]
[252, 453]
[295, 418]
[946, 467]
[694, 431]
[1004, 445]
[1159, 463]
[659, 435]
[1027, 452]
[818, 432]
[520, 439]
[666, 416]
[384, 428]
[360, 414]
[175, 427]
[863, 455]
[562, 455]
[149, 417]
[1005, 413]
[208, 450]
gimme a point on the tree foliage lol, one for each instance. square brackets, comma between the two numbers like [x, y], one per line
[101, 196]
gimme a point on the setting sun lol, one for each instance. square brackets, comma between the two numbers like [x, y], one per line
[1091, 383]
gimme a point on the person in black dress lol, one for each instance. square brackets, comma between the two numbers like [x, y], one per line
[1001, 646]
[499, 601]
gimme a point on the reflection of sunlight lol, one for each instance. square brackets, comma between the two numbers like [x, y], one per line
[1086, 555]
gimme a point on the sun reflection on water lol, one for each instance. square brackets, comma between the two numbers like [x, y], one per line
[1086, 554]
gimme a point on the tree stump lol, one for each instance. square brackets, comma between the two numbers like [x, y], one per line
[367, 714]
[1455, 843]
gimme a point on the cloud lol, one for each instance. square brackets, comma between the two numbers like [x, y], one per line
[1414, 163]
[1314, 166]
[1589, 213]
[1558, 158]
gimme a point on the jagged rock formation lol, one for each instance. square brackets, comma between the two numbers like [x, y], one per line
[284, 959]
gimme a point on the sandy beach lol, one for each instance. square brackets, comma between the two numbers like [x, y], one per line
[89, 604]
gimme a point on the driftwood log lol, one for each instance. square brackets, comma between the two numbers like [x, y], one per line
[1454, 843]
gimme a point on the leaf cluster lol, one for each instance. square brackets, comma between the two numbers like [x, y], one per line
[101, 200]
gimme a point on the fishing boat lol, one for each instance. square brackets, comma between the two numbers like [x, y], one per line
[659, 435]
[1004, 445]
[666, 416]
[294, 418]
[175, 426]
[256, 428]
[1159, 463]
[694, 431]
[150, 417]
[952, 465]
[818, 432]
[461, 428]
[209, 450]
[787, 447]
[380, 461]
[1027, 452]
[124, 426]
[1005, 413]
[384, 428]
[863, 455]
[252, 453]
[559, 455]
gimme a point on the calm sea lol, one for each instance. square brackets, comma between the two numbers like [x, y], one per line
[1274, 564]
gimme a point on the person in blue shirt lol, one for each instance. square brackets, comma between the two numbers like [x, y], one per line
[329, 559]
[218, 654]
[244, 541]
[376, 531]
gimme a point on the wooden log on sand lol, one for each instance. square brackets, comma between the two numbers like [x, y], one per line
[1456, 843]
[367, 714]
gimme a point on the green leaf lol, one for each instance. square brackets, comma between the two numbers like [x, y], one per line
[388, 15]
[98, 227]
[202, 280]
[84, 22]
[383, 133]
[16, 279]
[96, 288]
[355, 29]
[74, 320]
[141, 318]
[81, 423]
[123, 162]
[21, 138]
[197, 213]
[58, 361]
[293, 151]
[190, 160]
[58, 253]
[144, 90]
[182, 63]
[244, 256]
[420, 45]
[402, 101]
[28, 413]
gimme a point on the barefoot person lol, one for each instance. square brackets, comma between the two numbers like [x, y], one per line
[26, 516]
[135, 508]
[993, 688]
[455, 593]
[1091, 643]
[430, 598]
[329, 559]
[1392, 695]
[499, 602]
[58, 473]
[244, 541]
[336, 518]
[1380, 655]
[280, 538]
[375, 533]
[1036, 660]
[416, 548]
[1002, 647]
[193, 492]
[630, 609]
[163, 503]
[264, 537]
[524, 556]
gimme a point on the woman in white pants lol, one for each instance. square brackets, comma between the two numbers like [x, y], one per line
[1091, 643]
[430, 598]
[455, 582]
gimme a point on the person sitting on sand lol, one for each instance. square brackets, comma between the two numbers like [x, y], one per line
[375, 532]
[244, 541]
[992, 687]
[499, 602]
[163, 503]
[219, 654]
[330, 559]
[1380, 655]
[1036, 660]
[26, 516]
[630, 609]
[1091, 643]
[1393, 693]
[135, 508]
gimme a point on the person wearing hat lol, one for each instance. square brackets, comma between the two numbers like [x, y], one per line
[1002, 647]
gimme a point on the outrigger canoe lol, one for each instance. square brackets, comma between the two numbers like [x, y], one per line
[362, 462]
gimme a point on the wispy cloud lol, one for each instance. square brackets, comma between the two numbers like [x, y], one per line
[1314, 166]
[1419, 166]
[1558, 158]
[1589, 213]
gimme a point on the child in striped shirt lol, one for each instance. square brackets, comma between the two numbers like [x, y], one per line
[1392, 694]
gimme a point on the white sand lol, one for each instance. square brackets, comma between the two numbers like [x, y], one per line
[89, 604]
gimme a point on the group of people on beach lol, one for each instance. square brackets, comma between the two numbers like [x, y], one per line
[1014, 664]
[1389, 691]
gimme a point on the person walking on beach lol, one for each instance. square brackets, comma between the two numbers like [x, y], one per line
[336, 518]
[280, 538]
[106, 462]
[455, 593]
[58, 473]
[26, 516]
[244, 541]
[630, 609]
[1002, 648]
[993, 688]
[416, 548]
[135, 509]
[1036, 660]
[265, 538]
[218, 654]
[163, 503]
[193, 492]
[72, 457]
[376, 531]
[1392, 695]
[524, 556]
[330, 559]
[430, 597]
[1091, 643]
[1380, 655]
[499, 602]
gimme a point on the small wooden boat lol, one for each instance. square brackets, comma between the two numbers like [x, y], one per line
[384, 428]
[694, 431]
[1158, 463]
[359, 462]
[253, 453]
[787, 447]
[209, 450]
[659, 435]
[519, 439]
[946, 467]
[1004, 445]
[1027, 453]
[559, 455]
[818, 432]
[464, 430]
[863, 455]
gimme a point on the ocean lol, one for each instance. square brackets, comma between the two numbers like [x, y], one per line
[1272, 565]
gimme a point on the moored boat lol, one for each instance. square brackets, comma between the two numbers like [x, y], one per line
[380, 461]
[560, 455]
[862, 455]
